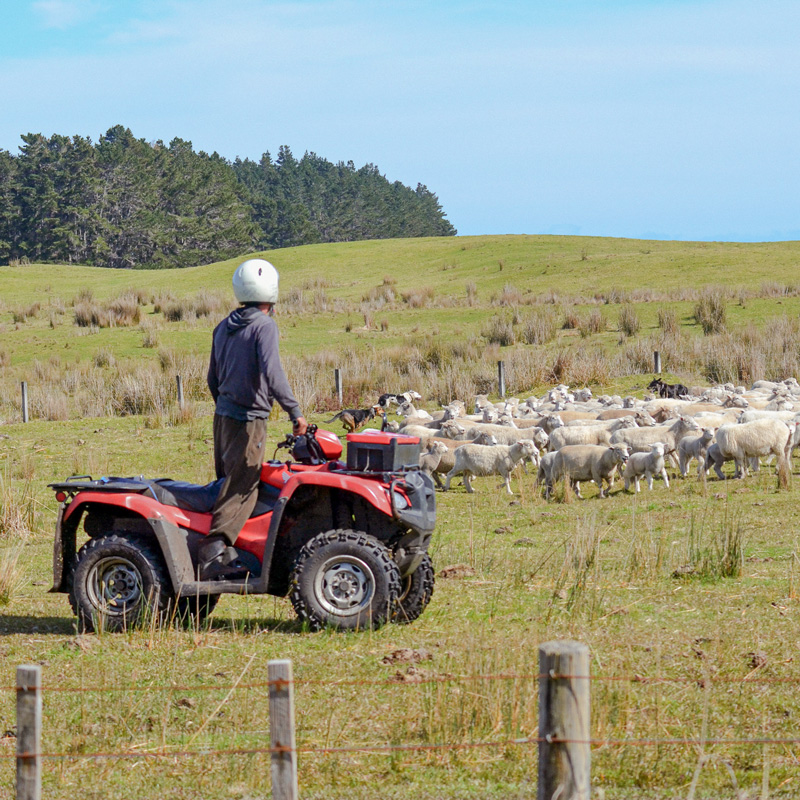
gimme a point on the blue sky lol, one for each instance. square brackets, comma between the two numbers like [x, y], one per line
[662, 119]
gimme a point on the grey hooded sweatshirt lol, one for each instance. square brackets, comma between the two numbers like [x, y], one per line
[245, 374]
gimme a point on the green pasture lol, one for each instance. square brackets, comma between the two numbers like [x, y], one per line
[687, 596]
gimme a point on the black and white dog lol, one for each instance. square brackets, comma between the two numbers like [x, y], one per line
[386, 400]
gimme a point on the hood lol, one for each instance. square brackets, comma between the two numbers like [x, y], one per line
[241, 318]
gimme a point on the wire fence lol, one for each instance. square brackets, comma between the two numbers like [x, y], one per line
[554, 731]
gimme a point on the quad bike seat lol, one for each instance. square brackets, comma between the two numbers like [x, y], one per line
[201, 499]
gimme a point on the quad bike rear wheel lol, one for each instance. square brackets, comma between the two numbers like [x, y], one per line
[345, 579]
[416, 592]
[120, 581]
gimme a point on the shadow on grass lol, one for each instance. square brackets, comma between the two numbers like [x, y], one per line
[253, 626]
[13, 625]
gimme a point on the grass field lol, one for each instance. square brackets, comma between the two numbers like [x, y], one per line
[687, 597]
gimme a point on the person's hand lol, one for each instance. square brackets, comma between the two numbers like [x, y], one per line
[299, 426]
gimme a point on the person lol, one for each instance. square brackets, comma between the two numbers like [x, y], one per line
[245, 376]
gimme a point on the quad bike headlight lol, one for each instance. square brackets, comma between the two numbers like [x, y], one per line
[400, 501]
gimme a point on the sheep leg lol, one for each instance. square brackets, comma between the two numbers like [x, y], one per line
[507, 481]
[664, 476]
[683, 463]
[627, 484]
[449, 475]
[636, 482]
[648, 476]
[576, 487]
[467, 484]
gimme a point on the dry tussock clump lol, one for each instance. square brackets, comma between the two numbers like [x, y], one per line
[21, 315]
[628, 321]
[592, 323]
[668, 321]
[471, 290]
[17, 510]
[509, 296]
[139, 392]
[48, 403]
[123, 311]
[5, 358]
[104, 358]
[11, 578]
[419, 298]
[540, 326]
[499, 331]
[710, 310]
[161, 300]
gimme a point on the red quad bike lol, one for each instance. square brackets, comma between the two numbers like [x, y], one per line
[347, 542]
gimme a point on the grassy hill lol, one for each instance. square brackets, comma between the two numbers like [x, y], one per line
[570, 265]
[687, 596]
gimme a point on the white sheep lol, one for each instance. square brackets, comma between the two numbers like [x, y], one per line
[647, 465]
[498, 459]
[762, 437]
[585, 462]
[447, 460]
[640, 439]
[589, 434]
[694, 447]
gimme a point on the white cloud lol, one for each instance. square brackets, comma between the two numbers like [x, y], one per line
[62, 14]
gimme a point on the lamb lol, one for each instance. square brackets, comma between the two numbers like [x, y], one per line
[761, 437]
[499, 459]
[715, 458]
[589, 434]
[585, 462]
[543, 474]
[647, 464]
[431, 456]
[694, 447]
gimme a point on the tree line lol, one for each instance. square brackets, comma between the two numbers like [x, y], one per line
[124, 202]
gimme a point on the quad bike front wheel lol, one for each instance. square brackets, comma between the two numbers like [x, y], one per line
[120, 582]
[416, 592]
[345, 579]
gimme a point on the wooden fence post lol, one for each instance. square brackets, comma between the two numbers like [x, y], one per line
[337, 382]
[657, 362]
[29, 732]
[179, 382]
[24, 401]
[501, 378]
[564, 706]
[281, 730]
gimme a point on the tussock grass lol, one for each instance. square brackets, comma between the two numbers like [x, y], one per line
[710, 311]
[11, 576]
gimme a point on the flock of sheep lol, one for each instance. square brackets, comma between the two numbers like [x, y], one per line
[575, 437]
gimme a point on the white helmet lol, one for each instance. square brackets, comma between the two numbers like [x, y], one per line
[256, 281]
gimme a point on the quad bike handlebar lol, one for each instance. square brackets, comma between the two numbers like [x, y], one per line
[303, 447]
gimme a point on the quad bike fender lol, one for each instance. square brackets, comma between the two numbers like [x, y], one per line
[164, 521]
[372, 491]
[140, 504]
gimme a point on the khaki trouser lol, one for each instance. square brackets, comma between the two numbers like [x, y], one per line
[238, 455]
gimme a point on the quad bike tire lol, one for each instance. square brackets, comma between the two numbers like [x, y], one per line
[345, 579]
[120, 582]
[416, 592]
